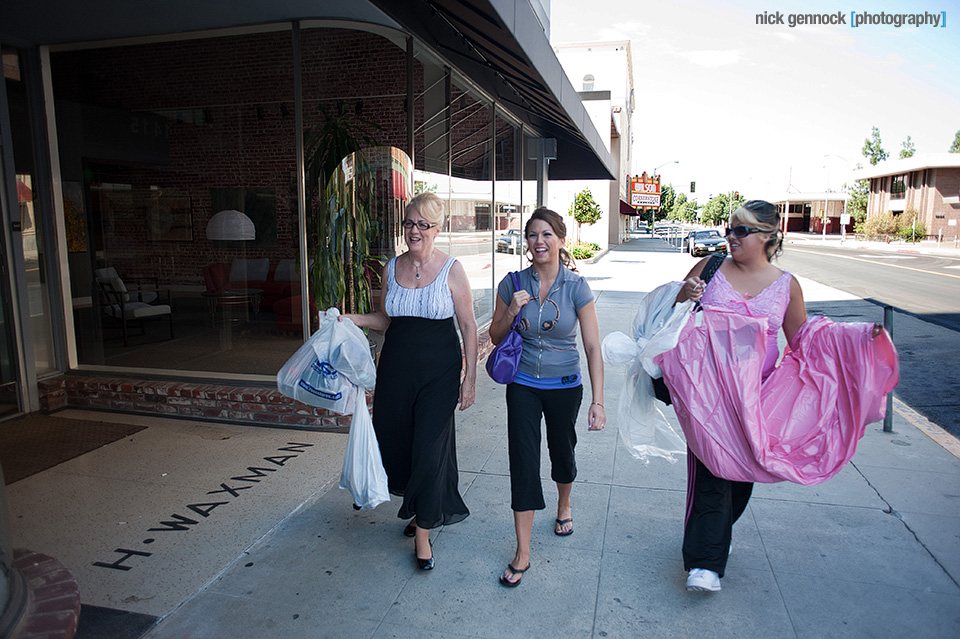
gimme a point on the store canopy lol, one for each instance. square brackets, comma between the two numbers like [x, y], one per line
[626, 209]
[501, 46]
[498, 45]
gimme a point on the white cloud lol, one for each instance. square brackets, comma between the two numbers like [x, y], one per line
[712, 59]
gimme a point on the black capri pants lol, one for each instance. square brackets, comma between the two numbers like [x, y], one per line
[559, 408]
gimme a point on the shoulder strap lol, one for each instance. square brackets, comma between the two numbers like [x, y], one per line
[707, 274]
[515, 277]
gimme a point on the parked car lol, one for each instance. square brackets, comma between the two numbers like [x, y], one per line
[701, 243]
[511, 242]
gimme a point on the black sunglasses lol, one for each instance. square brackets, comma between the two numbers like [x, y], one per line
[423, 226]
[741, 231]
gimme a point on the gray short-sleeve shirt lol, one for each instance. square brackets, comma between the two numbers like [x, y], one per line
[549, 330]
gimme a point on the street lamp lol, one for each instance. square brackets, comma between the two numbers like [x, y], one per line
[653, 216]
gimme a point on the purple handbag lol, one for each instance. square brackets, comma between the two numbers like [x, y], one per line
[503, 362]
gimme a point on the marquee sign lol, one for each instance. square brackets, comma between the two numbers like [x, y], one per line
[644, 191]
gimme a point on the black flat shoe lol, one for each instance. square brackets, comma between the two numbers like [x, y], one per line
[410, 530]
[424, 564]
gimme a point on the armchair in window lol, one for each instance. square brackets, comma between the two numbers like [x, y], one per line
[130, 305]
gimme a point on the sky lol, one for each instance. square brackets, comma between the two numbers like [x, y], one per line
[762, 108]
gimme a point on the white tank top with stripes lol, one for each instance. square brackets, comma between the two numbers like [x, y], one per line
[433, 301]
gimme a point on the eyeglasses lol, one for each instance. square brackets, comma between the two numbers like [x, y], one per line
[422, 225]
[741, 231]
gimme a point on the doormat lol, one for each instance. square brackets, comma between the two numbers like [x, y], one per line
[38, 442]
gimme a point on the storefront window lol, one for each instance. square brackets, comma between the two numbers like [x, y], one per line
[511, 208]
[471, 219]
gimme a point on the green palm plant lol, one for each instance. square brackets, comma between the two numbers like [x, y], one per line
[339, 218]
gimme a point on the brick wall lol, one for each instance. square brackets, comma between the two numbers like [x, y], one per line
[215, 401]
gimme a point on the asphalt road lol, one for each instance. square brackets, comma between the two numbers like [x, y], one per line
[924, 290]
[926, 286]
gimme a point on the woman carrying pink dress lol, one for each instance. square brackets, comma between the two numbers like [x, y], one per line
[746, 284]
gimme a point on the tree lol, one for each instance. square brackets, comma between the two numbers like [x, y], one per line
[719, 208]
[687, 211]
[908, 149]
[667, 200]
[676, 213]
[584, 210]
[955, 147]
[857, 204]
[872, 148]
[424, 187]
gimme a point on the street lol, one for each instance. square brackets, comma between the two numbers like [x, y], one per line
[927, 286]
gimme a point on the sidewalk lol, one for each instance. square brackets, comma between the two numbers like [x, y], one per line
[947, 248]
[874, 552]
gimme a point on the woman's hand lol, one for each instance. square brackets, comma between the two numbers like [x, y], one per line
[468, 393]
[596, 417]
[692, 289]
[877, 329]
[520, 299]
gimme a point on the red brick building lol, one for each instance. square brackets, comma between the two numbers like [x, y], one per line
[928, 184]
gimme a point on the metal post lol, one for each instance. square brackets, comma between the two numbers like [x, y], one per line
[888, 324]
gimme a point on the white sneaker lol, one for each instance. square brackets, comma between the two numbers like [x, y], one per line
[703, 580]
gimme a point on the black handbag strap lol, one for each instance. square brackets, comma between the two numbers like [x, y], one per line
[711, 268]
[707, 273]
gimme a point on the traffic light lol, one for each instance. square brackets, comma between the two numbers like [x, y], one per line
[736, 195]
[693, 187]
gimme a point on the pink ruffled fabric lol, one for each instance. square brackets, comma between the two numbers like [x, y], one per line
[802, 423]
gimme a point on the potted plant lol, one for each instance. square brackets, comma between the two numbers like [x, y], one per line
[340, 222]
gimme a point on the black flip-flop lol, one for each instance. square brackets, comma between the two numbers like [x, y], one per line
[562, 533]
[513, 584]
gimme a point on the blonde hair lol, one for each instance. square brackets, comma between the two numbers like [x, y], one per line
[429, 206]
[766, 216]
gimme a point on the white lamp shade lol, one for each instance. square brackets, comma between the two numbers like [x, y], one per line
[231, 225]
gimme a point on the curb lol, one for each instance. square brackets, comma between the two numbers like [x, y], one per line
[939, 436]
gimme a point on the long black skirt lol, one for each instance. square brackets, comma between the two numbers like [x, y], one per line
[418, 385]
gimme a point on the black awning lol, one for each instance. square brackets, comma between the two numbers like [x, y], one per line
[626, 209]
[502, 47]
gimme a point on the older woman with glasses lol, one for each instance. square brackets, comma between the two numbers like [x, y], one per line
[419, 375]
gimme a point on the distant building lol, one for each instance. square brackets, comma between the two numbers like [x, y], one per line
[928, 184]
[808, 212]
[604, 71]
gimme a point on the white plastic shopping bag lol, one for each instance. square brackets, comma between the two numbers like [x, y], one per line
[643, 427]
[327, 369]
[349, 351]
[363, 474]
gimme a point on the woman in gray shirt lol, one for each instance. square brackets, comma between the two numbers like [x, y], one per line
[552, 301]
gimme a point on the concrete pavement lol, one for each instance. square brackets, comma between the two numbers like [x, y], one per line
[874, 552]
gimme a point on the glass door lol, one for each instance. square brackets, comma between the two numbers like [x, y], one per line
[9, 392]
[35, 257]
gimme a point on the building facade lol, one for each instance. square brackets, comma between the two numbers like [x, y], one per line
[928, 184]
[164, 182]
[813, 212]
[603, 72]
